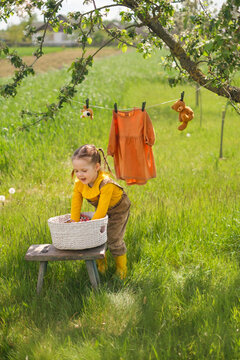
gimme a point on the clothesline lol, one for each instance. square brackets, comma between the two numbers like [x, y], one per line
[151, 106]
[106, 108]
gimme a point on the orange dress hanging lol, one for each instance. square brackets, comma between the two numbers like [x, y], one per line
[130, 143]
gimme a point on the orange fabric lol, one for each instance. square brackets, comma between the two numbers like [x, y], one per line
[130, 143]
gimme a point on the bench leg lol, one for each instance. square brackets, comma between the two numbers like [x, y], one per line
[41, 273]
[96, 272]
[92, 273]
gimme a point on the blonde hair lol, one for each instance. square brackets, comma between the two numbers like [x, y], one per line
[92, 153]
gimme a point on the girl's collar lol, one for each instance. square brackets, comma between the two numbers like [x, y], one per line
[99, 172]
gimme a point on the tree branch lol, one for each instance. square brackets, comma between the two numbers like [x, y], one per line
[109, 32]
[98, 9]
[101, 47]
[43, 116]
[39, 52]
[176, 49]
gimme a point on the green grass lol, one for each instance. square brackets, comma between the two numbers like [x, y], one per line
[181, 297]
[29, 50]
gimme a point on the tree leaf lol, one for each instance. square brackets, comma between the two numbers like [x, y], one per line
[89, 40]
[124, 48]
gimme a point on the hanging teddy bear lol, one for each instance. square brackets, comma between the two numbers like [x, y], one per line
[185, 113]
[86, 112]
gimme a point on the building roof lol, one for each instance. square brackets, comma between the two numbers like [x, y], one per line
[41, 26]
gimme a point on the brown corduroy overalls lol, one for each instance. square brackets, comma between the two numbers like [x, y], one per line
[117, 220]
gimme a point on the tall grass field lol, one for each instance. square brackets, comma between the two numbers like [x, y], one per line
[181, 296]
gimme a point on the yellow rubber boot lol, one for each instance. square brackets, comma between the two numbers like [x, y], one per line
[121, 264]
[102, 265]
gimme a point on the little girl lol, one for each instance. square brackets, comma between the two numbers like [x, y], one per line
[107, 197]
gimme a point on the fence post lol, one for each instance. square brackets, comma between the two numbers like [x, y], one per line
[200, 96]
[221, 141]
[199, 101]
[197, 95]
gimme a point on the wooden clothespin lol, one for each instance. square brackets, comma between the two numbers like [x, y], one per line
[87, 103]
[143, 105]
[182, 96]
[115, 108]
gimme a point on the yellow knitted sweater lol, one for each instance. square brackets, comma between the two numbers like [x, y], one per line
[108, 196]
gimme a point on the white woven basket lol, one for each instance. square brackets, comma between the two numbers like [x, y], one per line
[79, 235]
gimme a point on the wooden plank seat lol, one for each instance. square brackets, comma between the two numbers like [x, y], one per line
[47, 252]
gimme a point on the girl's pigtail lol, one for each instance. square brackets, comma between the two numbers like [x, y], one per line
[72, 174]
[105, 161]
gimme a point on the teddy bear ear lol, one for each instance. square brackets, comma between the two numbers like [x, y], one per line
[175, 105]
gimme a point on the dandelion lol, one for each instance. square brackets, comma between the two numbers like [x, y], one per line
[12, 191]
[188, 135]
[2, 198]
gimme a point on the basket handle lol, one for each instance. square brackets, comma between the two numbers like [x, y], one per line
[103, 229]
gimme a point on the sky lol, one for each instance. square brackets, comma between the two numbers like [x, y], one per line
[74, 5]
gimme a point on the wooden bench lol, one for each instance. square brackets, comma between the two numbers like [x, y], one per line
[47, 252]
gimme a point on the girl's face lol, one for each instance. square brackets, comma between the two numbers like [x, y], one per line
[86, 171]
